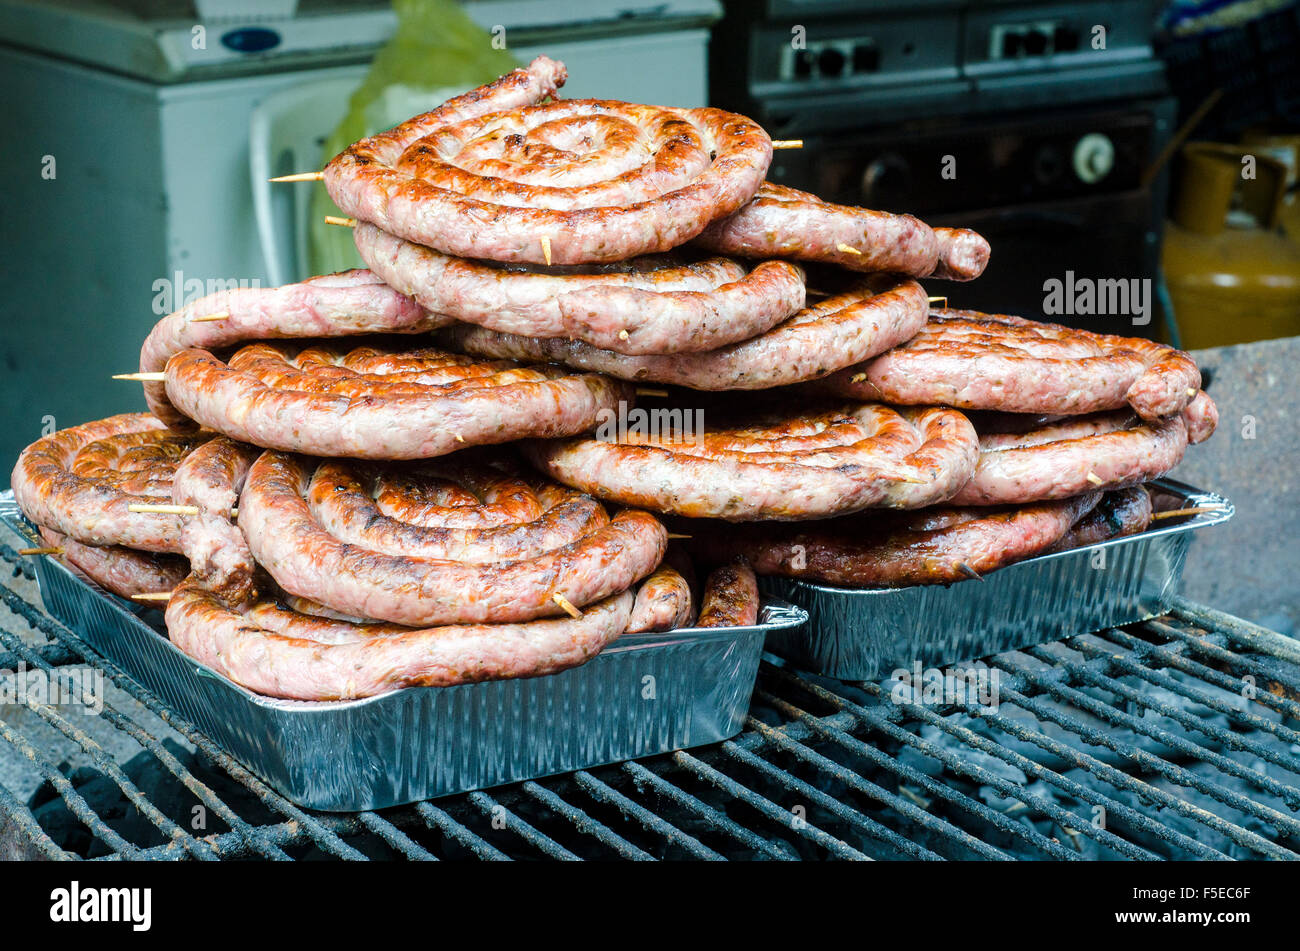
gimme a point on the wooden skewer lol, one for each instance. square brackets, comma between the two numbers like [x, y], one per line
[1095, 479]
[341, 222]
[208, 317]
[944, 299]
[787, 143]
[565, 603]
[300, 177]
[646, 391]
[141, 377]
[153, 596]
[857, 378]
[674, 535]
[969, 572]
[40, 551]
[546, 248]
[847, 249]
[170, 509]
[1195, 510]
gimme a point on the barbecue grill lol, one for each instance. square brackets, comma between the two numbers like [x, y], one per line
[1171, 738]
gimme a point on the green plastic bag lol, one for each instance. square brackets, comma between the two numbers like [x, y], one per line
[437, 52]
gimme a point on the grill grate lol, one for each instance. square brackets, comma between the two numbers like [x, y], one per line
[1142, 742]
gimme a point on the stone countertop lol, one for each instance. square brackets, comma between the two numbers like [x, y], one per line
[1250, 566]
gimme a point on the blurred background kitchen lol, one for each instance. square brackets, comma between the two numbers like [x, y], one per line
[1138, 140]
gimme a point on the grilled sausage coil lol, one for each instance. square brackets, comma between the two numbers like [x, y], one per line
[274, 650]
[937, 546]
[869, 318]
[1105, 450]
[784, 466]
[653, 304]
[1024, 367]
[663, 603]
[492, 172]
[81, 481]
[377, 402]
[438, 543]
[123, 571]
[211, 478]
[333, 305]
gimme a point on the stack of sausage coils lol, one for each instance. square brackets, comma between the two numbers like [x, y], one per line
[420, 473]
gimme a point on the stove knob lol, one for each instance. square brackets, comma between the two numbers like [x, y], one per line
[1094, 157]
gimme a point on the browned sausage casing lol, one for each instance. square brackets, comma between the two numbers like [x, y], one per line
[333, 305]
[997, 362]
[1077, 454]
[374, 401]
[867, 319]
[935, 546]
[492, 172]
[279, 652]
[123, 571]
[652, 304]
[788, 465]
[81, 481]
[730, 596]
[425, 544]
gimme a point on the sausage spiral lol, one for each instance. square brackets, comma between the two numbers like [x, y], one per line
[491, 173]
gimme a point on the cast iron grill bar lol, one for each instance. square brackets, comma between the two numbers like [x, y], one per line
[438, 820]
[716, 820]
[1225, 764]
[935, 788]
[540, 841]
[1064, 783]
[1175, 656]
[395, 838]
[54, 655]
[876, 717]
[12, 811]
[57, 631]
[782, 817]
[1152, 763]
[867, 788]
[1121, 780]
[1128, 665]
[1113, 654]
[107, 765]
[147, 741]
[585, 823]
[1259, 639]
[76, 803]
[842, 812]
[603, 792]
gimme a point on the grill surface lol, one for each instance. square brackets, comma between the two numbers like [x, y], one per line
[1174, 738]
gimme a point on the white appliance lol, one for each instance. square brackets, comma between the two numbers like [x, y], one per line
[126, 159]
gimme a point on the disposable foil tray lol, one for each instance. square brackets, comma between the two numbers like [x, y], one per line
[866, 634]
[644, 694]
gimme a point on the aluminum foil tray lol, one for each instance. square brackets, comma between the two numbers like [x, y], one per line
[644, 694]
[866, 634]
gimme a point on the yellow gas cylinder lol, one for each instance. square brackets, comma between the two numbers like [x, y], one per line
[1233, 274]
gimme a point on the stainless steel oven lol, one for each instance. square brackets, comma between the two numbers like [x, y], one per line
[1002, 117]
